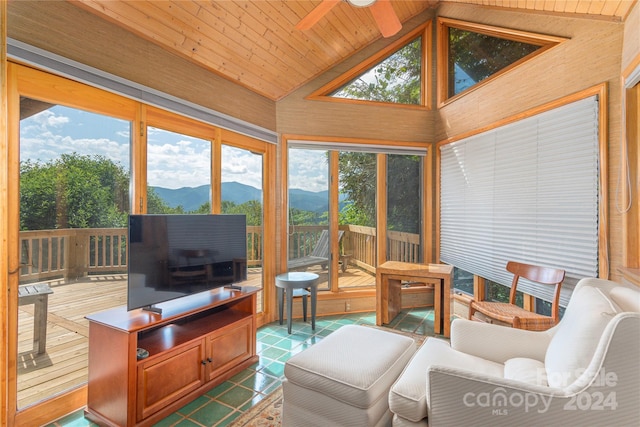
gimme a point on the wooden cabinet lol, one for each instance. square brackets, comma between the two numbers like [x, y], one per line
[194, 344]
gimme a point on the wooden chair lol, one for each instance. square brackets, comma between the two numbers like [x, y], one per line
[514, 315]
[319, 255]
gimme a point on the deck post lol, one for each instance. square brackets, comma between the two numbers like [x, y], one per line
[76, 256]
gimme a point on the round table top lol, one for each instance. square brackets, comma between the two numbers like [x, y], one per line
[296, 279]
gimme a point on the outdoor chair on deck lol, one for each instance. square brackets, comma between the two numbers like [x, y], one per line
[319, 255]
[514, 315]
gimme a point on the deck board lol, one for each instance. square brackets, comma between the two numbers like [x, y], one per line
[64, 364]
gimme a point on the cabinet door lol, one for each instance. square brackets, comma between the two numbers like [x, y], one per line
[171, 375]
[229, 346]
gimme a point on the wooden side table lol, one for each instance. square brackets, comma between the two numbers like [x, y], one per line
[389, 277]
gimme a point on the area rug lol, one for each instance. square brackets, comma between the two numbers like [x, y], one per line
[268, 413]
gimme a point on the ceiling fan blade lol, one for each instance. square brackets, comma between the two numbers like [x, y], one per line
[386, 18]
[316, 14]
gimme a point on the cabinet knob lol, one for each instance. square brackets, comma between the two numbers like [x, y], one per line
[204, 362]
[209, 360]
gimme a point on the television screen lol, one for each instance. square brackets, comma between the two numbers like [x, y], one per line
[171, 256]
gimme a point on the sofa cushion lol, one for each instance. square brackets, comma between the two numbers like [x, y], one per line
[627, 299]
[576, 337]
[408, 396]
[355, 364]
[527, 370]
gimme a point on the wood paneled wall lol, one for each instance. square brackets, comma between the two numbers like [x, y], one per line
[61, 28]
[4, 243]
[631, 45]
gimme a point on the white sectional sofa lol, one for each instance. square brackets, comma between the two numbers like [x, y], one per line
[584, 371]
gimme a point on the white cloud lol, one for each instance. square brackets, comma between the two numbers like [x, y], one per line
[241, 166]
[173, 160]
[50, 133]
[308, 170]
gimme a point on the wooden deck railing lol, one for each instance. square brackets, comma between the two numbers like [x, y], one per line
[360, 242]
[76, 252]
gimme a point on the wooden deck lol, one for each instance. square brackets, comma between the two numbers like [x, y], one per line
[64, 364]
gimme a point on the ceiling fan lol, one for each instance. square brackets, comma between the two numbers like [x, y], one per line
[382, 12]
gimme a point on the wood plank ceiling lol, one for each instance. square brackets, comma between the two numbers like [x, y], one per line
[255, 44]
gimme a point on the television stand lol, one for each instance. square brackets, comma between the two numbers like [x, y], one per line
[193, 344]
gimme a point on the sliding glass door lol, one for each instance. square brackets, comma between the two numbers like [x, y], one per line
[74, 202]
[308, 213]
[332, 186]
[404, 208]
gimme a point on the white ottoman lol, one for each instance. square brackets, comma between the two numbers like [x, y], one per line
[344, 380]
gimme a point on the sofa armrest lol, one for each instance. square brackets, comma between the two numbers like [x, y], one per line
[459, 397]
[498, 343]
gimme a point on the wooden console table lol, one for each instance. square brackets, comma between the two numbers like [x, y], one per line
[196, 343]
[389, 277]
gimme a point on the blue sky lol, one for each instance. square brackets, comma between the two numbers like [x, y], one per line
[174, 160]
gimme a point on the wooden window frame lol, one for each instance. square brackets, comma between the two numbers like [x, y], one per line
[381, 200]
[630, 173]
[42, 85]
[442, 57]
[424, 31]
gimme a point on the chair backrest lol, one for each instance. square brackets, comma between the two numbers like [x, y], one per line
[538, 274]
[321, 249]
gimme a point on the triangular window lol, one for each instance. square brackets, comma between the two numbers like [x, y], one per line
[475, 53]
[396, 75]
[396, 79]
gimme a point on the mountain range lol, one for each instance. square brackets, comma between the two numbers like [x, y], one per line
[191, 198]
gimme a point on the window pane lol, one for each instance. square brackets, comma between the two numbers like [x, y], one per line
[74, 203]
[178, 173]
[309, 212]
[357, 186]
[396, 79]
[499, 293]
[474, 57]
[404, 208]
[462, 281]
[242, 194]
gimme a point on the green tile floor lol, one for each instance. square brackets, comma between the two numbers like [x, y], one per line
[220, 406]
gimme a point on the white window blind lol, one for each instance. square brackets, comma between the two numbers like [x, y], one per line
[527, 192]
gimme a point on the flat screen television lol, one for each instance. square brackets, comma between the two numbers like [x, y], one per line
[172, 256]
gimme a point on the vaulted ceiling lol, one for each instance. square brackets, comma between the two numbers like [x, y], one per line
[256, 44]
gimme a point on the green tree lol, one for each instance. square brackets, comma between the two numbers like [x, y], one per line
[404, 193]
[358, 182]
[397, 79]
[301, 217]
[480, 56]
[252, 209]
[357, 176]
[73, 191]
[157, 205]
[204, 208]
